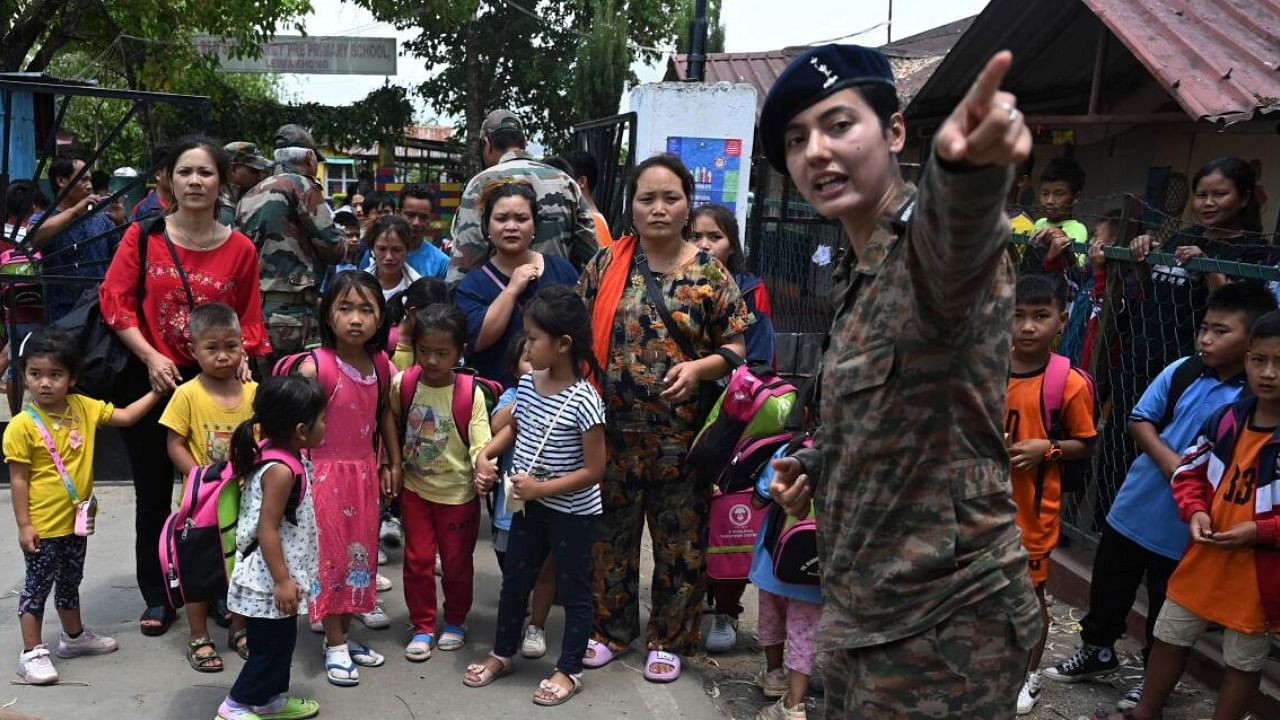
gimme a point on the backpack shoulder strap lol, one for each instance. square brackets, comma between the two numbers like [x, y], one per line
[464, 395]
[326, 361]
[408, 385]
[1186, 374]
[1053, 388]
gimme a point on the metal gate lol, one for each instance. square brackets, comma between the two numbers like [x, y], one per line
[612, 142]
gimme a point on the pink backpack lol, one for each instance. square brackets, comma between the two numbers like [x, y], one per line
[198, 541]
[1074, 474]
[755, 403]
[326, 361]
[465, 381]
[731, 541]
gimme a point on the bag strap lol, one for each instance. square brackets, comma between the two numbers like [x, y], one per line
[182, 274]
[1053, 388]
[408, 385]
[464, 393]
[57, 458]
[1186, 374]
[537, 454]
[493, 276]
[660, 304]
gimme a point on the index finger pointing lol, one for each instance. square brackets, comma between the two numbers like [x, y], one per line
[988, 82]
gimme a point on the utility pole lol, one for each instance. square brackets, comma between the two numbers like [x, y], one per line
[888, 28]
[698, 43]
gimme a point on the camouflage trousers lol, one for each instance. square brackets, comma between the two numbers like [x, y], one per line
[969, 666]
[644, 481]
[292, 321]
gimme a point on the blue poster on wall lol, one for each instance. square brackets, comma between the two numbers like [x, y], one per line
[715, 164]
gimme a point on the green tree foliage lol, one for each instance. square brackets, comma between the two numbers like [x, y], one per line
[556, 62]
[715, 28]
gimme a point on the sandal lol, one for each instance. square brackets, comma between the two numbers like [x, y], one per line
[484, 674]
[364, 656]
[453, 638]
[292, 708]
[419, 648]
[601, 654]
[238, 640]
[155, 621]
[661, 657]
[210, 662]
[557, 692]
[338, 667]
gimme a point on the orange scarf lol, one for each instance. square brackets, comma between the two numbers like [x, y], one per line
[609, 294]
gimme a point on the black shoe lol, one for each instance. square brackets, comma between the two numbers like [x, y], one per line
[1089, 662]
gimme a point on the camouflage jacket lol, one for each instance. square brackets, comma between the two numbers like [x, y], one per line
[565, 225]
[228, 200]
[288, 220]
[911, 473]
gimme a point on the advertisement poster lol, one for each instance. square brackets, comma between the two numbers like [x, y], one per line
[715, 164]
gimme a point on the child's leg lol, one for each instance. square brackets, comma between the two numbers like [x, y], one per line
[68, 573]
[1037, 652]
[419, 562]
[41, 569]
[198, 619]
[457, 527]
[1176, 631]
[571, 539]
[802, 629]
[266, 673]
[525, 555]
[544, 593]
[1243, 655]
[772, 628]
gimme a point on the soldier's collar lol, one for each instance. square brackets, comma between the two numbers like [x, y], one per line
[513, 154]
[886, 235]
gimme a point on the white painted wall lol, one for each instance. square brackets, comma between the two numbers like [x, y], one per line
[673, 109]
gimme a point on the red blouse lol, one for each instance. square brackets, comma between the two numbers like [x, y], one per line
[227, 274]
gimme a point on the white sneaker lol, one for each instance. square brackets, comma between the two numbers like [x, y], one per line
[535, 642]
[723, 634]
[383, 583]
[382, 556]
[391, 533]
[89, 643]
[1130, 699]
[1030, 693]
[376, 620]
[36, 668]
[317, 626]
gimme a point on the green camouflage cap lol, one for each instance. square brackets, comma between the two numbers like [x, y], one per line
[501, 120]
[292, 135]
[246, 153]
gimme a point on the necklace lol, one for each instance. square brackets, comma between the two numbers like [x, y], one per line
[190, 239]
[66, 418]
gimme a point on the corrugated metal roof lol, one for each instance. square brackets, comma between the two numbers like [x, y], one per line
[1219, 58]
[760, 69]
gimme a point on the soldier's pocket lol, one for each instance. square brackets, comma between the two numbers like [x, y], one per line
[863, 371]
[288, 329]
[1023, 608]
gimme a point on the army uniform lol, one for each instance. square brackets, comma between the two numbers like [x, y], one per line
[565, 225]
[288, 220]
[929, 610]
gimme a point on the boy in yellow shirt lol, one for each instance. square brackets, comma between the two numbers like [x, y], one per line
[201, 416]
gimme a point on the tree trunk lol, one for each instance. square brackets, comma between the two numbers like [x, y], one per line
[26, 31]
[473, 113]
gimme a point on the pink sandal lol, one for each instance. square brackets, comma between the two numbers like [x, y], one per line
[602, 655]
[663, 657]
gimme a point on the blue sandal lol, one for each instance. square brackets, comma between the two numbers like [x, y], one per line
[453, 638]
[340, 673]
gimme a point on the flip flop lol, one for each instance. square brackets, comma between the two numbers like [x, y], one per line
[484, 673]
[602, 654]
[162, 617]
[663, 657]
[419, 648]
[557, 691]
[294, 709]
[364, 656]
[340, 674]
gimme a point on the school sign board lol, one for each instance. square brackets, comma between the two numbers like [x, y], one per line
[317, 55]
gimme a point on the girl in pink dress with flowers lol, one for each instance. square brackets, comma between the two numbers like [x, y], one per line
[355, 374]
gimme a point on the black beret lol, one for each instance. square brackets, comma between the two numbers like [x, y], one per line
[812, 76]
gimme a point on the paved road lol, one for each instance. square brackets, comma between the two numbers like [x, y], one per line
[149, 677]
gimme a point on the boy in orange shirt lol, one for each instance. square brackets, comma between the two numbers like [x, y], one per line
[1038, 448]
[1228, 491]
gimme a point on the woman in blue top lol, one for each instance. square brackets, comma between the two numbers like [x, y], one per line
[493, 297]
[714, 229]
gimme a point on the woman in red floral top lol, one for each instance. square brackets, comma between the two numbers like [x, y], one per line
[651, 395]
[220, 265]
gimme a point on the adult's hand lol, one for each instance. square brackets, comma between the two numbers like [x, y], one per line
[521, 277]
[986, 128]
[681, 380]
[790, 487]
[1142, 246]
[162, 373]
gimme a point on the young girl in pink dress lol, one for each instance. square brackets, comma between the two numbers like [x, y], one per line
[355, 374]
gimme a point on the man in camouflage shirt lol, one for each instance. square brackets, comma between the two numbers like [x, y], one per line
[565, 226]
[247, 168]
[928, 605]
[287, 218]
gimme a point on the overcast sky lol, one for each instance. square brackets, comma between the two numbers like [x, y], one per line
[750, 25]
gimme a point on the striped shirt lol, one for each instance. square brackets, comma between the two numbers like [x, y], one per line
[562, 453]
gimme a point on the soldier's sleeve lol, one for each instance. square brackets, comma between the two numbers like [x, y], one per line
[262, 216]
[585, 245]
[956, 239]
[315, 217]
[813, 462]
[469, 246]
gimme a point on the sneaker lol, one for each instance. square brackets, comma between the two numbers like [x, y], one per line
[382, 556]
[1030, 694]
[1089, 662]
[535, 642]
[316, 626]
[724, 633]
[1130, 700]
[780, 711]
[36, 668]
[375, 620]
[383, 583]
[391, 532]
[89, 643]
[774, 683]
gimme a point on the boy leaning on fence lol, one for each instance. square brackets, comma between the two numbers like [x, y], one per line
[1144, 536]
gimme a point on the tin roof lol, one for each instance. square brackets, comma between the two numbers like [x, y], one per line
[1217, 59]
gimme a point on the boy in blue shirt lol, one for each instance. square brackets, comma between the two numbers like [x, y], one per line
[1144, 535]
